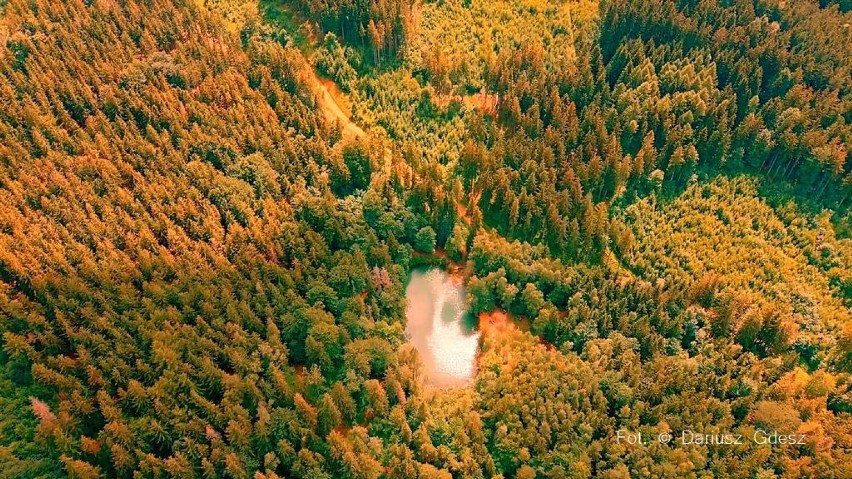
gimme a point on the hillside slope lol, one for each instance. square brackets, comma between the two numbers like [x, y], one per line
[181, 288]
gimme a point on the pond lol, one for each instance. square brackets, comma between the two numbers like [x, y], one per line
[440, 328]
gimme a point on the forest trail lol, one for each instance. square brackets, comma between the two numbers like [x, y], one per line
[329, 106]
[241, 11]
[332, 110]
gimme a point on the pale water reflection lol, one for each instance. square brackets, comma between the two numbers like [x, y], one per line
[440, 328]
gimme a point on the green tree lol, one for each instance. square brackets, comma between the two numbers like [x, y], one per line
[424, 241]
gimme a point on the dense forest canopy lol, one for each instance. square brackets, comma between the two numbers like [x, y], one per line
[204, 245]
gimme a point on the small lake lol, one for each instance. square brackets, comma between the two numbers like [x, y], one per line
[440, 328]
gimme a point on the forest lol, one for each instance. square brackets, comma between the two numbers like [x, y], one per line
[210, 210]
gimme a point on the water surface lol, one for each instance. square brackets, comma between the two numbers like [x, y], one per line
[440, 328]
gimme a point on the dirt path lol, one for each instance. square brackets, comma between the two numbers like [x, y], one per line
[332, 111]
